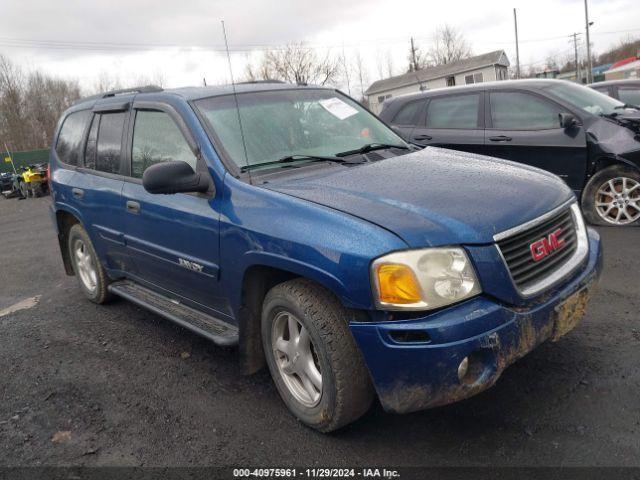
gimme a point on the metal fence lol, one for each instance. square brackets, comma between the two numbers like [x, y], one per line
[23, 159]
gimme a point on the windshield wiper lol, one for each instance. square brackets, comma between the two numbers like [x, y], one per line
[295, 158]
[626, 105]
[370, 147]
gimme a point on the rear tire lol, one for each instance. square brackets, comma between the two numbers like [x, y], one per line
[612, 197]
[92, 278]
[330, 367]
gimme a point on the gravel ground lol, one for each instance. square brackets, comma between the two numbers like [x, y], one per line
[83, 384]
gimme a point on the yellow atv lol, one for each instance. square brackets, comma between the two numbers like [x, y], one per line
[32, 181]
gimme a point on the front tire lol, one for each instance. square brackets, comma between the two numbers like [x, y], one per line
[612, 197]
[91, 276]
[314, 361]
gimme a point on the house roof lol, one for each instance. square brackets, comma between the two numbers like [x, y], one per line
[627, 66]
[497, 57]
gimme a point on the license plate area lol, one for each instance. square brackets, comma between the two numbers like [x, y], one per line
[569, 313]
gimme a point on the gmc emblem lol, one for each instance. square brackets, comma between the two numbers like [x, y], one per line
[546, 246]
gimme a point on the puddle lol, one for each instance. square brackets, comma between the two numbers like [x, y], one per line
[21, 305]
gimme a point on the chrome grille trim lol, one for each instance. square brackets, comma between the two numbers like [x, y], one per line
[566, 269]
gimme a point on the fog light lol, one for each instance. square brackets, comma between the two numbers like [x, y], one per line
[463, 368]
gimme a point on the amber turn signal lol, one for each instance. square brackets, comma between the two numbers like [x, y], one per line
[397, 284]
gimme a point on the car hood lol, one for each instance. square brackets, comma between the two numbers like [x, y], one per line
[434, 196]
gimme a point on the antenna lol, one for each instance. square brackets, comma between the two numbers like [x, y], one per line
[235, 96]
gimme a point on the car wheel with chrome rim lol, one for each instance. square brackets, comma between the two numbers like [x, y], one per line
[612, 197]
[312, 356]
[92, 277]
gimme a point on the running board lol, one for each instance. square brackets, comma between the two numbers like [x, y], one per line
[216, 330]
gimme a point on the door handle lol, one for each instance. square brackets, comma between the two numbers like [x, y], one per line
[500, 138]
[133, 207]
[77, 192]
[422, 137]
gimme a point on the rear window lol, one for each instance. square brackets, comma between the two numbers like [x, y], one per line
[71, 135]
[460, 112]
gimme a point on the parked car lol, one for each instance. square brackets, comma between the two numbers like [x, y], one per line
[590, 140]
[6, 182]
[627, 91]
[290, 221]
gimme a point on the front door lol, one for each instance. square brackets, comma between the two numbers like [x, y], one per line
[452, 121]
[525, 127]
[173, 239]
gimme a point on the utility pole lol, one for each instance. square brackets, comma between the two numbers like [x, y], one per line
[414, 61]
[588, 24]
[515, 21]
[575, 48]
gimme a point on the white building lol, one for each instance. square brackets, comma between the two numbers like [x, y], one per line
[482, 68]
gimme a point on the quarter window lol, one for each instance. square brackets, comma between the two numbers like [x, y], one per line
[407, 114]
[156, 138]
[460, 111]
[522, 111]
[69, 142]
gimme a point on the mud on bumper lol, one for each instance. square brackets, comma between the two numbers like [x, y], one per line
[415, 375]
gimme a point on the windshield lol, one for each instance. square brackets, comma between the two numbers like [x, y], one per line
[281, 123]
[585, 98]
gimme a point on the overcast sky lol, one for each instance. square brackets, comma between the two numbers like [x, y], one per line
[181, 41]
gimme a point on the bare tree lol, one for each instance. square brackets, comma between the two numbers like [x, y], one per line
[360, 74]
[295, 63]
[449, 46]
[416, 57]
[30, 106]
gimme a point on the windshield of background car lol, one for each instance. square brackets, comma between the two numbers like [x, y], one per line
[280, 123]
[585, 98]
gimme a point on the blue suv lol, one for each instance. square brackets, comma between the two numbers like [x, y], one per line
[291, 222]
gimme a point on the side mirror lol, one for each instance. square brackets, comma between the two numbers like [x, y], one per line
[174, 177]
[567, 120]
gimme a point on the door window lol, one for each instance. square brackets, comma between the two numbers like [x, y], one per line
[629, 95]
[156, 138]
[459, 111]
[108, 147]
[407, 114]
[69, 142]
[522, 111]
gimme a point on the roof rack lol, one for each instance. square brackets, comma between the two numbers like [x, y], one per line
[122, 91]
[252, 82]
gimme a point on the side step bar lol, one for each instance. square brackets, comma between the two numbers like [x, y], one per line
[218, 331]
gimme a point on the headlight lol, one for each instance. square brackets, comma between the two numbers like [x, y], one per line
[423, 279]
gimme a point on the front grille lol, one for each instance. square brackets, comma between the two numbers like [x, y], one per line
[516, 250]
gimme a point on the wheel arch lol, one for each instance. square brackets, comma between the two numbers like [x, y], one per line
[65, 219]
[258, 278]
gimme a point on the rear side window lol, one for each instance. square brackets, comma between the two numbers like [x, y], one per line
[70, 139]
[629, 95]
[407, 114]
[109, 144]
[156, 138]
[522, 111]
[460, 111]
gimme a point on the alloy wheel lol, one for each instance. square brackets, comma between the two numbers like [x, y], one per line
[85, 266]
[296, 359]
[618, 201]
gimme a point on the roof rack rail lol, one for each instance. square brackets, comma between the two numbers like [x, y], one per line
[122, 91]
[143, 89]
[253, 82]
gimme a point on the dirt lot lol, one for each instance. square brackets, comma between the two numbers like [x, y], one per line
[133, 389]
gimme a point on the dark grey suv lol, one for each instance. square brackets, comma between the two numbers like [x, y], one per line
[589, 139]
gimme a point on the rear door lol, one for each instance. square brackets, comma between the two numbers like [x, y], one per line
[452, 121]
[173, 239]
[90, 182]
[524, 127]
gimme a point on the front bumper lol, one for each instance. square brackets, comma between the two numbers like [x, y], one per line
[414, 375]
